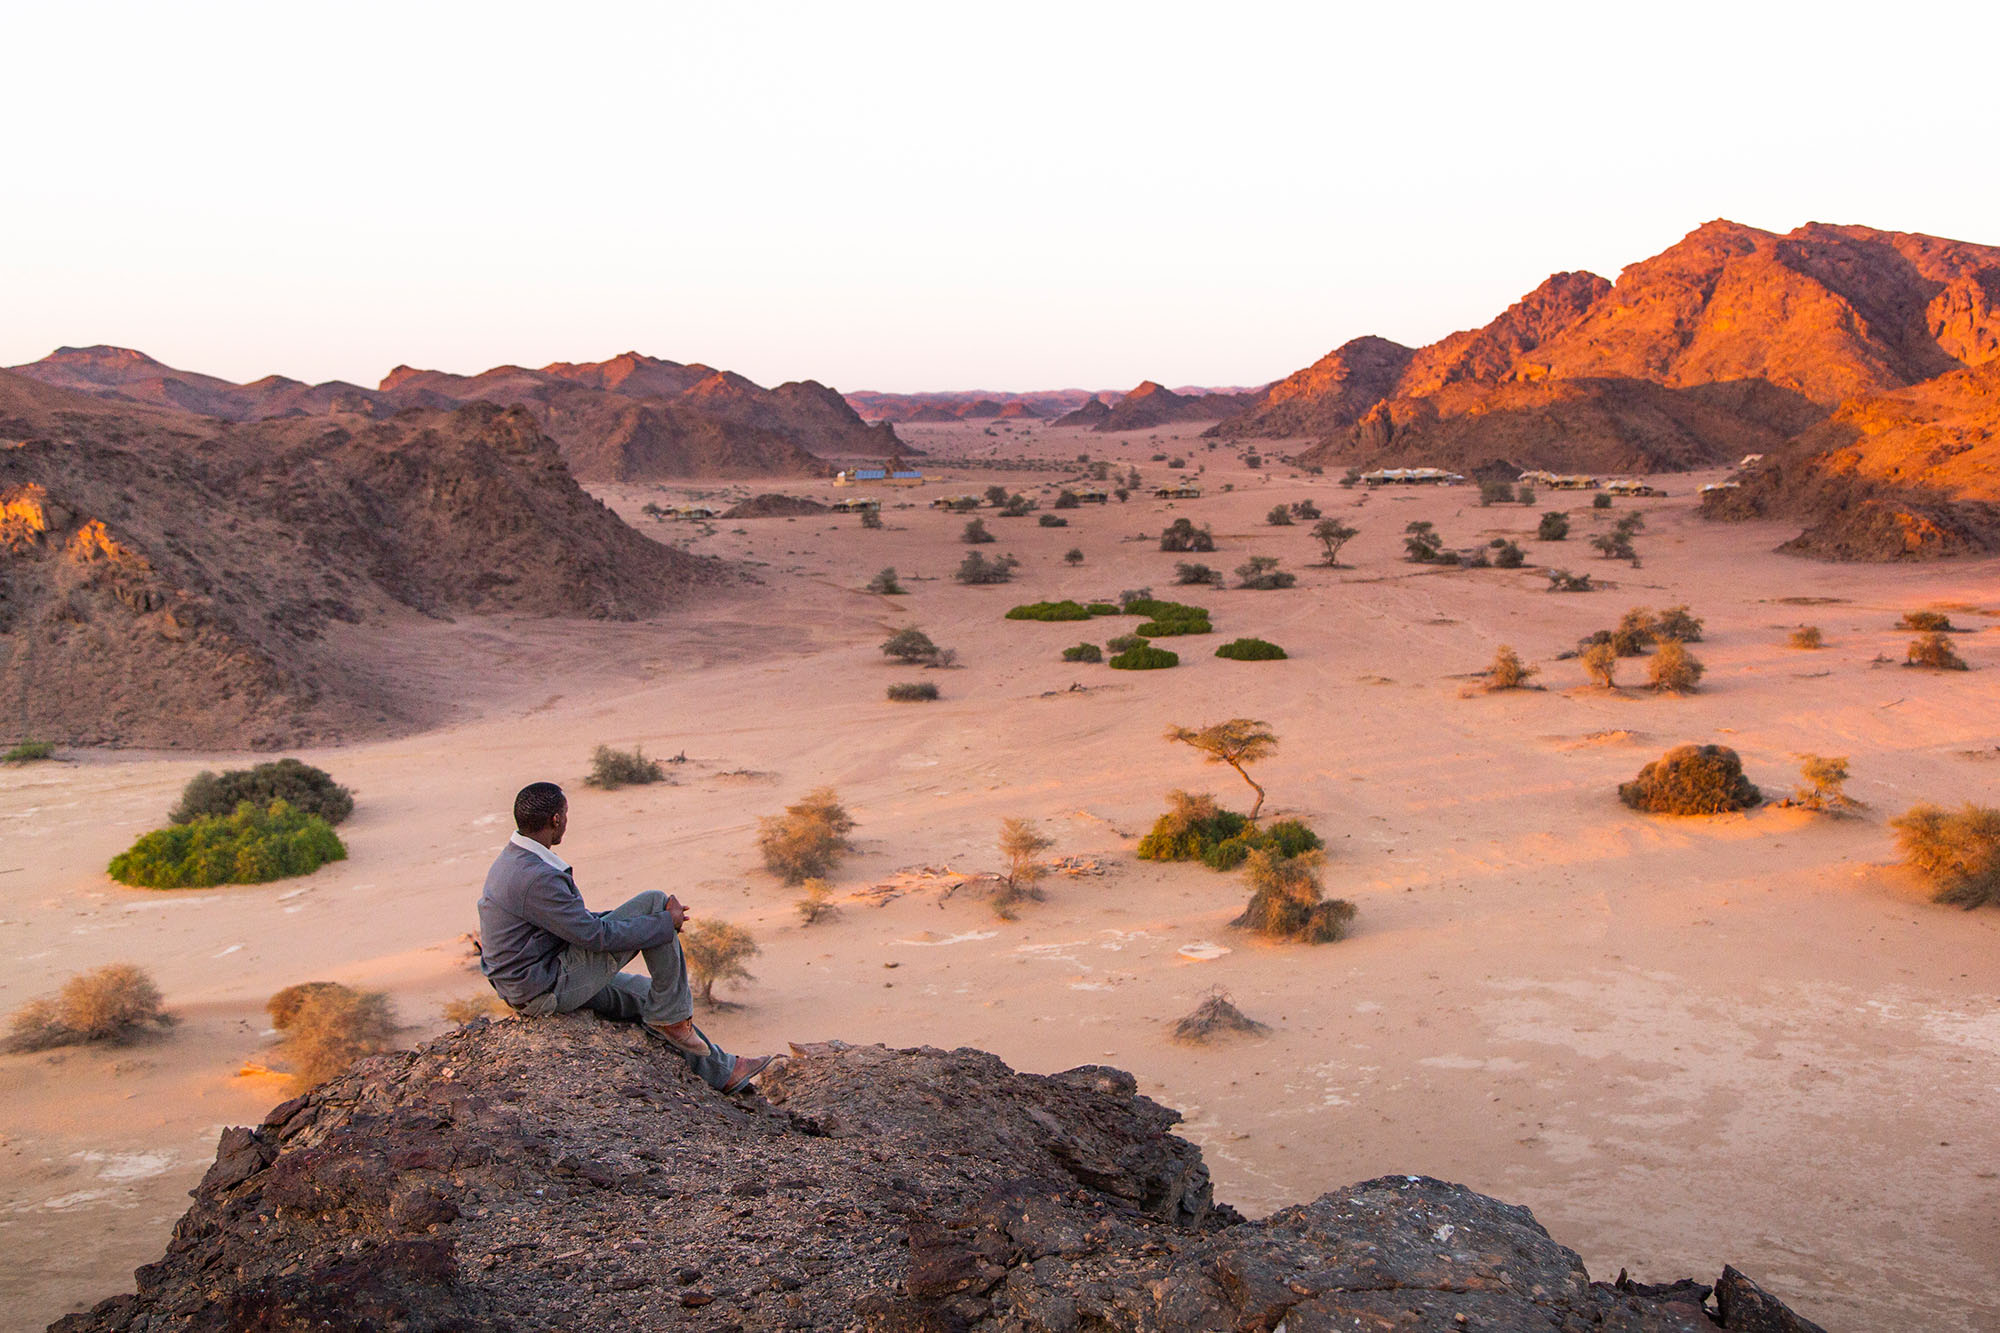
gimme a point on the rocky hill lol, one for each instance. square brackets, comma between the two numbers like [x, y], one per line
[1912, 474]
[694, 421]
[1047, 404]
[1091, 414]
[1730, 342]
[169, 579]
[1152, 405]
[567, 1174]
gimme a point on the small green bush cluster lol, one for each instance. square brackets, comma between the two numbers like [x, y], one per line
[1691, 780]
[1423, 546]
[1064, 610]
[1104, 609]
[612, 769]
[1561, 580]
[1496, 492]
[1554, 526]
[306, 789]
[1053, 521]
[886, 583]
[1125, 643]
[975, 533]
[1600, 501]
[1280, 516]
[913, 691]
[1166, 629]
[27, 752]
[251, 846]
[1195, 828]
[1251, 650]
[1083, 652]
[1508, 555]
[1145, 657]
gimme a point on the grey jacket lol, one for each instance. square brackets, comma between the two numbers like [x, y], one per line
[529, 912]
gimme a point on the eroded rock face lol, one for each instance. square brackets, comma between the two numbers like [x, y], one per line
[569, 1174]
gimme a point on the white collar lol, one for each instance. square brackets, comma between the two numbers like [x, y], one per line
[527, 844]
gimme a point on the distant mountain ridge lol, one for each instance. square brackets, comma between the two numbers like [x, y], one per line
[971, 405]
[1732, 341]
[630, 418]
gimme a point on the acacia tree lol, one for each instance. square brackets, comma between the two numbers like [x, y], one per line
[1236, 742]
[1333, 534]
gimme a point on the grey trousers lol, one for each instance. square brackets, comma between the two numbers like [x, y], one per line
[599, 983]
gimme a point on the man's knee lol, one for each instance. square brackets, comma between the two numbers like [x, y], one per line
[650, 903]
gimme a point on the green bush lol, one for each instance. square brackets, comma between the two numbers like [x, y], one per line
[886, 583]
[1554, 526]
[1958, 851]
[251, 846]
[1104, 609]
[1053, 521]
[304, 788]
[1153, 608]
[975, 533]
[1067, 499]
[1600, 501]
[1496, 492]
[1280, 516]
[28, 752]
[1166, 629]
[1145, 658]
[1064, 610]
[1083, 652]
[1288, 902]
[912, 691]
[910, 646]
[1251, 650]
[1193, 826]
[1691, 780]
[1286, 838]
[1125, 643]
[1676, 625]
[1507, 555]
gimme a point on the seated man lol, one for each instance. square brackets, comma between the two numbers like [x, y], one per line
[545, 953]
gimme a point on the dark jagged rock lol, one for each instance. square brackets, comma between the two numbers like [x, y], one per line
[566, 1174]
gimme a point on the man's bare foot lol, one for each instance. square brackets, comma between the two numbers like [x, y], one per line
[681, 1036]
[746, 1068]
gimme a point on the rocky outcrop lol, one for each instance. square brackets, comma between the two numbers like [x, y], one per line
[170, 580]
[1910, 475]
[568, 1173]
[1092, 414]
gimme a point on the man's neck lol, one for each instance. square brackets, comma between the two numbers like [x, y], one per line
[546, 838]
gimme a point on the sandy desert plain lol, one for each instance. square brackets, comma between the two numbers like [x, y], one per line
[1748, 1038]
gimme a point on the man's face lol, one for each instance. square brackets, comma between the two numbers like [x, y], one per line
[559, 825]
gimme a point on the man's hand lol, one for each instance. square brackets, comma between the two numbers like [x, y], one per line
[676, 913]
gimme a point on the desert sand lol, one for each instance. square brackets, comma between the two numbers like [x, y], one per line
[1747, 1038]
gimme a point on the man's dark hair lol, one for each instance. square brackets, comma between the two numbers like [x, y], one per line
[537, 805]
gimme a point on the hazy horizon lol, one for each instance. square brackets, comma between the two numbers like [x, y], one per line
[902, 199]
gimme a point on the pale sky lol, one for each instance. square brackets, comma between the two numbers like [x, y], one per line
[927, 196]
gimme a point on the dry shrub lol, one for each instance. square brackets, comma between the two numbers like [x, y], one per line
[328, 1027]
[912, 691]
[808, 839]
[1508, 672]
[817, 905]
[1601, 661]
[1676, 625]
[1927, 622]
[1691, 780]
[1216, 1016]
[1287, 902]
[1934, 650]
[1958, 851]
[1807, 636]
[1825, 776]
[1020, 843]
[466, 1008]
[611, 769]
[715, 951]
[1675, 670]
[116, 1003]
